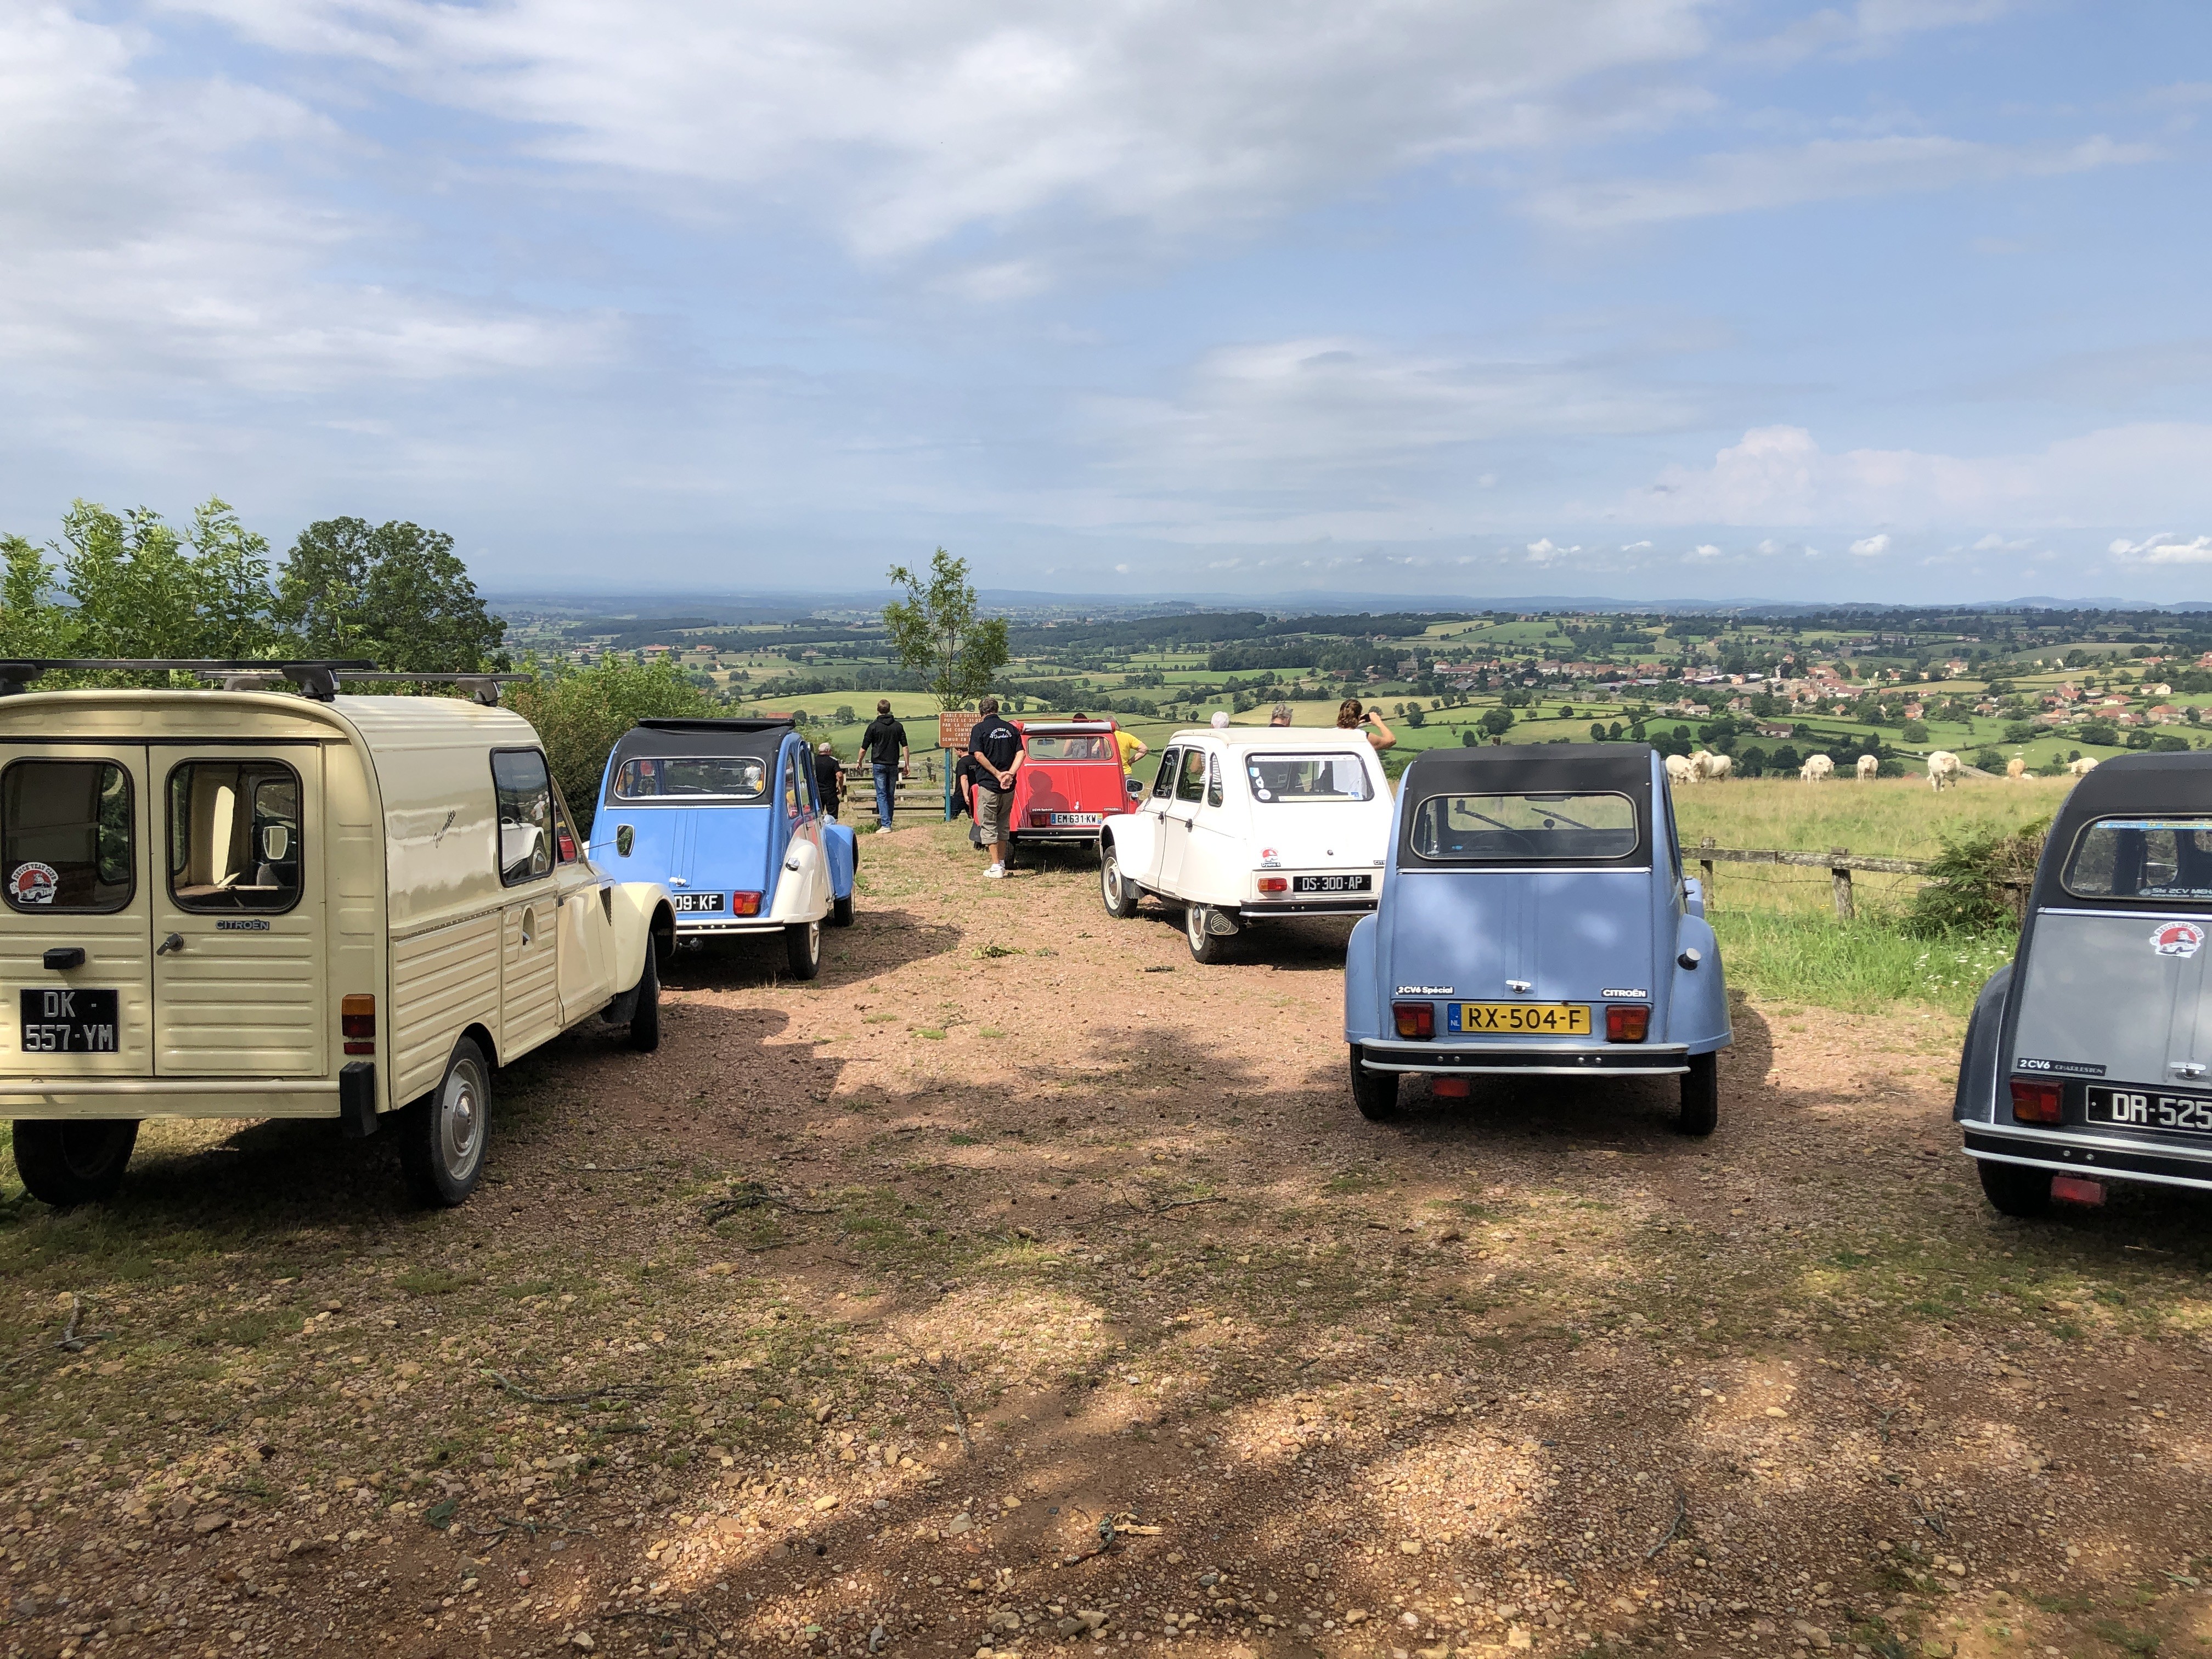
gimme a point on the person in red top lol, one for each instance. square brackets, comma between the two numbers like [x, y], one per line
[996, 750]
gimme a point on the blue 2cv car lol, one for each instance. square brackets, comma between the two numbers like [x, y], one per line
[723, 813]
[1535, 920]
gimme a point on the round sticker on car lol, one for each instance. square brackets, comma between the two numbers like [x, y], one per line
[33, 883]
[2178, 938]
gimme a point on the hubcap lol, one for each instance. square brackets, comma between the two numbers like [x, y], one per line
[1110, 876]
[460, 1122]
[813, 940]
[1193, 922]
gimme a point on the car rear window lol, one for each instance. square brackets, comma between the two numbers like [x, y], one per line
[1080, 747]
[2154, 859]
[1516, 829]
[65, 835]
[719, 777]
[235, 836]
[1294, 778]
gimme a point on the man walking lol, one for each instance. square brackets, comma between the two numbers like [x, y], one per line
[996, 747]
[885, 745]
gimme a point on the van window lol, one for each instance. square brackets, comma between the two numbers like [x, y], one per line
[1213, 781]
[1163, 780]
[1289, 778]
[235, 836]
[1048, 746]
[2163, 859]
[65, 835]
[736, 777]
[1191, 785]
[525, 814]
[1515, 828]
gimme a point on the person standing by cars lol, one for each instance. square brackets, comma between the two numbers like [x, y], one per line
[829, 778]
[1280, 715]
[1130, 749]
[1349, 717]
[997, 749]
[884, 745]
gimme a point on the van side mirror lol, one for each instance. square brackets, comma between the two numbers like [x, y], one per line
[625, 838]
[276, 842]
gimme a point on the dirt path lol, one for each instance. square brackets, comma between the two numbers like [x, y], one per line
[1020, 1284]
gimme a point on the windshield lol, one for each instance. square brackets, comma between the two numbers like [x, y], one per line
[1518, 827]
[1293, 778]
[2157, 859]
[724, 777]
[1082, 747]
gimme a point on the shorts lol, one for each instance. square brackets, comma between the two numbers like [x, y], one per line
[993, 815]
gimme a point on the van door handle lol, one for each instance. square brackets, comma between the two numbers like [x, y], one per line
[64, 955]
[174, 942]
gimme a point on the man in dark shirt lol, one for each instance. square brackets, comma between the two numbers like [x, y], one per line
[996, 747]
[829, 778]
[886, 746]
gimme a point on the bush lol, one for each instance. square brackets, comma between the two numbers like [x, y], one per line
[580, 712]
[2168, 743]
[1988, 760]
[1915, 731]
[1965, 894]
[2022, 732]
[2100, 732]
[1468, 738]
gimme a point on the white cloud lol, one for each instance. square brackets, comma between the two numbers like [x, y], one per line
[1871, 547]
[1704, 550]
[1545, 550]
[2164, 550]
[1635, 547]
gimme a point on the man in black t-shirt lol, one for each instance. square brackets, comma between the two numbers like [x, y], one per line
[997, 749]
[884, 746]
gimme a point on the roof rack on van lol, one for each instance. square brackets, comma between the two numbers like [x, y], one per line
[316, 678]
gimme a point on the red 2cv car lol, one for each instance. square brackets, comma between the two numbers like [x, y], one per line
[1071, 783]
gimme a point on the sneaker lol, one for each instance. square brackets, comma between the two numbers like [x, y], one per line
[883, 829]
[996, 872]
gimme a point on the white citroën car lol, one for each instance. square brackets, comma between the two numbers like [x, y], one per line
[249, 904]
[1252, 823]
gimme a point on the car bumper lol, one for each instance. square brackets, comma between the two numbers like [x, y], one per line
[2092, 1156]
[1059, 832]
[712, 925]
[1612, 1059]
[153, 1096]
[1261, 909]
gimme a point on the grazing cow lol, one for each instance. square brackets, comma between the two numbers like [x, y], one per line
[1714, 768]
[2015, 768]
[1816, 769]
[2082, 768]
[1942, 769]
[1869, 766]
[1680, 770]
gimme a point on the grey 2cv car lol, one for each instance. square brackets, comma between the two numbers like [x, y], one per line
[2088, 1058]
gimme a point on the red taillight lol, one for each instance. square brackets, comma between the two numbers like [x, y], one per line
[2036, 1103]
[1040, 820]
[1415, 1019]
[1626, 1022]
[357, 1023]
[1275, 885]
[745, 905]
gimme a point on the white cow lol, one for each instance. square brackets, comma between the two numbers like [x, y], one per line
[1710, 766]
[1816, 769]
[1869, 766]
[1942, 768]
[2015, 768]
[1680, 770]
[2082, 768]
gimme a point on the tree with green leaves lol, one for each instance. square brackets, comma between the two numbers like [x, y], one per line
[580, 712]
[394, 592]
[938, 634]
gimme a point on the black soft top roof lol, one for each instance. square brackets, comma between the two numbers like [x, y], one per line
[2126, 785]
[671, 739]
[1539, 768]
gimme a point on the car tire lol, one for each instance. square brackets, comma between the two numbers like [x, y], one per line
[1701, 1096]
[1119, 893]
[841, 911]
[74, 1161]
[2014, 1189]
[1207, 949]
[802, 947]
[1376, 1093]
[645, 1016]
[442, 1136]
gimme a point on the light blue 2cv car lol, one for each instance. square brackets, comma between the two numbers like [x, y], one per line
[724, 813]
[1535, 920]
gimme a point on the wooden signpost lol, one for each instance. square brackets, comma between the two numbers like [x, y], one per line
[953, 727]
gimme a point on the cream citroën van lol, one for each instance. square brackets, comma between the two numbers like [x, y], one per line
[245, 903]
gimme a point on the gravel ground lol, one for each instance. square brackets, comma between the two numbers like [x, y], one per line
[1020, 1284]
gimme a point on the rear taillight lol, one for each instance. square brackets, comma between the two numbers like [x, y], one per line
[1040, 820]
[745, 905]
[2036, 1103]
[1416, 1020]
[357, 1023]
[1275, 885]
[1626, 1022]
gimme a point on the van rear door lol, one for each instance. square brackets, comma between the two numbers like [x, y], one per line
[237, 895]
[75, 928]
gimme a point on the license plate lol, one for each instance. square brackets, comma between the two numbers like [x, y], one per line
[2142, 1108]
[1332, 884]
[692, 903]
[1079, 819]
[67, 1019]
[1528, 1019]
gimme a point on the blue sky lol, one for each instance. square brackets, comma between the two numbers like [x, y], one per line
[1643, 297]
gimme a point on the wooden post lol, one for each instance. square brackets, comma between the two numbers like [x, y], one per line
[1706, 865]
[1841, 878]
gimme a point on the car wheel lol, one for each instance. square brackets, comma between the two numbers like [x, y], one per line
[442, 1135]
[802, 945]
[76, 1161]
[1205, 947]
[2014, 1189]
[645, 1018]
[1119, 893]
[1376, 1093]
[840, 912]
[1701, 1096]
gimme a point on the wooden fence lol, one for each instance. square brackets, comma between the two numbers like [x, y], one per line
[1837, 862]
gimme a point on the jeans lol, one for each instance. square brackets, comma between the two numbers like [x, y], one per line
[886, 782]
